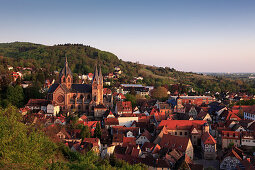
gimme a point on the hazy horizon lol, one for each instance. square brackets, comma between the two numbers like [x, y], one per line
[197, 36]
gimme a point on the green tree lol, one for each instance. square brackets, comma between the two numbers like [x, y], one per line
[132, 98]
[21, 146]
[15, 95]
[159, 93]
[98, 132]
[85, 132]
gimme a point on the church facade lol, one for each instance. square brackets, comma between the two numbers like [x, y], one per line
[79, 97]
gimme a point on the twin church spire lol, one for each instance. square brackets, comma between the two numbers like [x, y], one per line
[66, 75]
[98, 78]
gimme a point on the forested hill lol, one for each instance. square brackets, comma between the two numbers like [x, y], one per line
[82, 59]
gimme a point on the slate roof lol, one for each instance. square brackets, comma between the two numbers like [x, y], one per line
[75, 88]
[81, 88]
[53, 87]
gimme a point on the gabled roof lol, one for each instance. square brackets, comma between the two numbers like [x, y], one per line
[148, 145]
[182, 124]
[208, 139]
[37, 102]
[129, 141]
[147, 135]
[124, 106]
[66, 70]
[174, 142]
[93, 141]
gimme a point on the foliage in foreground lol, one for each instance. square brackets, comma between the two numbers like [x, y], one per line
[24, 147]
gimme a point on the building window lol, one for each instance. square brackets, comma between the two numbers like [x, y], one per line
[69, 80]
[175, 133]
[186, 133]
[180, 133]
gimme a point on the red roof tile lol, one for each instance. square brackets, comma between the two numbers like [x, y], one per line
[208, 139]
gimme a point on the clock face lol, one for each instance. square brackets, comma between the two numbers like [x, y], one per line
[60, 98]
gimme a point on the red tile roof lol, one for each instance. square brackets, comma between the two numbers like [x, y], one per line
[111, 121]
[208, 139]
[93, 141]
[37, 102]
[249, 109]
[181, 124]
[129, 141]
[174, 142]
[124, 106]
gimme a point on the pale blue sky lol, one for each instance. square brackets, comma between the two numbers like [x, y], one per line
[189, 35]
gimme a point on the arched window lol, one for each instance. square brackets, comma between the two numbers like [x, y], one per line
[69, 80]
[64, 79]
[81, 96]
[74, 96]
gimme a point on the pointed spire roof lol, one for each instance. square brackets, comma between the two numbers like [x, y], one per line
[66, 70]
[100, 74]
[95, 77]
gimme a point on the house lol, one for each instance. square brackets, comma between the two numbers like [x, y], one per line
[182, 144]
[128, 131]
[230, 137]
[144, 137]
[123, 107]
[249, 112]
[53, 109]
[37, 104]
[127, 121]
[57, 133]
[204, 116]
[110, 122]
[99, 111]
[248, 139]
[129, 141]
[185, 128]
[60, 120]
[208, 144]
[94, 144]
[117, 139]
[232, 158]
[191, 110]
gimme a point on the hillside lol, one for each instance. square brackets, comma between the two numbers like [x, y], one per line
[82, 59]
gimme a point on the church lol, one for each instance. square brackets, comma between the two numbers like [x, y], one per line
[87, 98]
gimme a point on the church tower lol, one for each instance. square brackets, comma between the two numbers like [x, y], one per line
[97, 86]
[65, 76]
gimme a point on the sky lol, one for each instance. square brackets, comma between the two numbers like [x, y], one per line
[188, 35]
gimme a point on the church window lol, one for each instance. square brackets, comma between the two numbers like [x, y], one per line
[74, 96]
[64, 79]
[69, 80]
[60, 98]
[81, 96]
